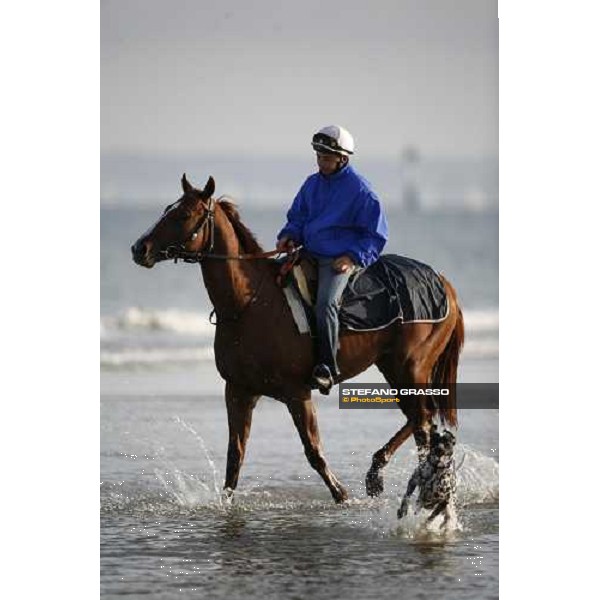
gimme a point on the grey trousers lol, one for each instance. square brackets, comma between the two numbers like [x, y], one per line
[329, 295]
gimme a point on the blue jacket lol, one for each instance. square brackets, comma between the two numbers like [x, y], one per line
[338, 214]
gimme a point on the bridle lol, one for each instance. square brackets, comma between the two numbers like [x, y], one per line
[177, 252]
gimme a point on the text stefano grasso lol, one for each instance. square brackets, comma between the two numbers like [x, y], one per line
[397, 392]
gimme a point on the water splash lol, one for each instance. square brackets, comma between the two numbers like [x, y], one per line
[478, 477]
[477, 484]
[207, 454]
[178, 491]
[188, 490]
[416, 525]
[181, 492]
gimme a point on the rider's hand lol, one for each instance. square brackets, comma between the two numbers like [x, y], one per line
[342, 264]
[285, 244]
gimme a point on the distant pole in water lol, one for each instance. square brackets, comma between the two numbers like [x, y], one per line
[409, 166]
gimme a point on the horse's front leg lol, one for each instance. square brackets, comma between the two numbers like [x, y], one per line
[240, 404]
[305, 418]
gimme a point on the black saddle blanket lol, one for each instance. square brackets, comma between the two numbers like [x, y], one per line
[394, 287]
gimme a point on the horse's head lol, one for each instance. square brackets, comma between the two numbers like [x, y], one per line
[442, 448]
[184, 225]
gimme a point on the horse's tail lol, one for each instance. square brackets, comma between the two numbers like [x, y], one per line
[446, 367]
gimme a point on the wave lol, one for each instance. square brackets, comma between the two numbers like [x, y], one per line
[481, 333]
[151, 357]
[486, 347]
[134, 358]
[173, 320]
[477, 321]
[143, 338]
[193, 323]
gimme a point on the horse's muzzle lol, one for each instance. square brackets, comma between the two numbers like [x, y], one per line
[142, 254]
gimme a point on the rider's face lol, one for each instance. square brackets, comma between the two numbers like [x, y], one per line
[328, 163]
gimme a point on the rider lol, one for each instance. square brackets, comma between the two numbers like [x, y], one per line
[338, 219]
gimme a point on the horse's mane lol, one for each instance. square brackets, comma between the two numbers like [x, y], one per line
[247, 239]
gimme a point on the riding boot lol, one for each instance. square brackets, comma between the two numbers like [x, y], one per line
[322, 379]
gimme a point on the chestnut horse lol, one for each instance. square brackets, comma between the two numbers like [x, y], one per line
[259, 351]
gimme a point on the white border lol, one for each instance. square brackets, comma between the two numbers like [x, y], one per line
[50, 299]
[549, 134]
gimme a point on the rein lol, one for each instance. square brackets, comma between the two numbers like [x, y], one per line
[176, 253]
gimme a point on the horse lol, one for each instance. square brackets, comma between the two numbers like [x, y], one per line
[259, 351]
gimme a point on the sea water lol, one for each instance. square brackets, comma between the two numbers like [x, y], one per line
[166, 530]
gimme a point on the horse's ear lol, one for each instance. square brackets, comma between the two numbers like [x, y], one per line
[187, 187]
[209, 188]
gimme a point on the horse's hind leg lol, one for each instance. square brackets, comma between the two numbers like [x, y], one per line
[374, 479]
[305, 418]
[418, 347]
[240, 404]
[396, 374]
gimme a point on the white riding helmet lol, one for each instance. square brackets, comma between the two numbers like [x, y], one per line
[333, 139]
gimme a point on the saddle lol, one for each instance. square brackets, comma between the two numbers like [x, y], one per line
[393, 288]
[305, 274]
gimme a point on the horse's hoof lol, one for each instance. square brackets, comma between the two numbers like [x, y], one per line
[340, 496]
[374, 484]
[227, 496]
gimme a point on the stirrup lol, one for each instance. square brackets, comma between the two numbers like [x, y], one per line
[322, 378]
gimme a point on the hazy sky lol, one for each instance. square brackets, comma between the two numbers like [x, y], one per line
[258, 77]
